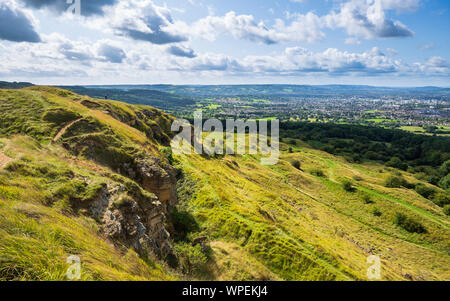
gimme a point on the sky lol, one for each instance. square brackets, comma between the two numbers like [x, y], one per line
[367, 42]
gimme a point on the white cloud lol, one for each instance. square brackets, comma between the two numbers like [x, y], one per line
[303, 28]
[17, 24]
[367, 19]
[434, 65]
[140, 20]
[165, 49]
[181, 51]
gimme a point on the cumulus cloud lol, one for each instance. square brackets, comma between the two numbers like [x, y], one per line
[304, 28]
[145, 21]
[141, 20]
[88, 7]
[368, 19]
[332, 61]
[293, 61]
[16, 25]
[360, 18]
[58, 48]
[181, 51]
[75, 51]
[111, 53]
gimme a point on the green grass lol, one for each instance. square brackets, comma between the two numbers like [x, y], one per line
[279, 222]
[281, 216]
[46, 188]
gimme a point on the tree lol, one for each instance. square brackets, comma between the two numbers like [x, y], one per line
[425, 191]
[296, 164]
[394, 181]
[348, 185]
[408, 223]
[447, 209]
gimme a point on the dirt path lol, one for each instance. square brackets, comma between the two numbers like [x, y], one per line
[4, 159]
[63, 130]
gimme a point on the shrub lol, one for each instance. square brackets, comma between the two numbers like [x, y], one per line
[425, 191]
[366, 198]
[191, 259]
[296, 164]
[317, 172]
[167, 152]
[393, 181]
[445, 182]
[348, 185]
[408, 223]
[447, 210]
[376, 212]
[441, 199]
[123, 201]
[397, 163]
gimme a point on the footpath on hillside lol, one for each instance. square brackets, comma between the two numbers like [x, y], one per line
[63, 130]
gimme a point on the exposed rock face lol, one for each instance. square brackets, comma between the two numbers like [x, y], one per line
[158, 180]
[137, 224]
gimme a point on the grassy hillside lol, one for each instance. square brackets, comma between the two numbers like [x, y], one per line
[59, 151]
[313, 216]
[301, 223]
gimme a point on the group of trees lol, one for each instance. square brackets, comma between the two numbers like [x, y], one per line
[426, 156]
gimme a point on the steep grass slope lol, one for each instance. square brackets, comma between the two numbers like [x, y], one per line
[64, 156]
[300, 221]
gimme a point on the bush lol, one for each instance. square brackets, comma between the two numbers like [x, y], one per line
[441, 199]
[191, 259]
[447, 210]
[123, 201]
[167, 152]
[376, 212]
[397, 163]
[296, 164]
[408, 224]
[445, 182]
[393, 181]
[425, 191]
[317, 173]
[367, 199]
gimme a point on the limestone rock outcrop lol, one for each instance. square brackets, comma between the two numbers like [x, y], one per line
[139, 224]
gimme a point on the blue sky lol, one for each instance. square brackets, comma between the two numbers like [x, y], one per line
[376, 42]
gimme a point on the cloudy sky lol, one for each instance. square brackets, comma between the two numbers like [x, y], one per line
[376, 42]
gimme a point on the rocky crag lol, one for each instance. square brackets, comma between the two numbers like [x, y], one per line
[139, 185]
